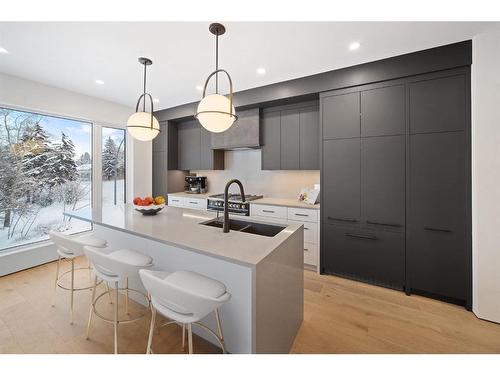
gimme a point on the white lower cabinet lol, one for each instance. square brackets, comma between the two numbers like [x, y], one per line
[284, 215]
[175, 201]
[187, 202]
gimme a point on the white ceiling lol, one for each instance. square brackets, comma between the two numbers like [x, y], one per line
[73, 55]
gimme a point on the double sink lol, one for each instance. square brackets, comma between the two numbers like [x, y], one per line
[267, 230]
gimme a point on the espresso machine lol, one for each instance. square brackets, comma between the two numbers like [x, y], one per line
[196, 184]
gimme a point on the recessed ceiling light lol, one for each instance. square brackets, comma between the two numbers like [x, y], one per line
[3, 50]
[156, 100]
[99, 82]
[199, 88]
[354, 46]
[261, 71]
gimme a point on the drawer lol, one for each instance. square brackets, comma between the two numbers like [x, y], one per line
[195, 203]
[270, 220]
[268, 211]
[373, 256]
[302, 214]
[311, 232]
[175, 201]
[310, 254]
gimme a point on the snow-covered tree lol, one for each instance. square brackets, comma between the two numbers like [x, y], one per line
[63, 165]
[109, 159]
[84, 159]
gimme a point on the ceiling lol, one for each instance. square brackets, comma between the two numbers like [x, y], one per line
[73, 56]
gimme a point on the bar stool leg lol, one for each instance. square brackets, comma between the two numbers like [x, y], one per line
[55, 282]
[183, 335]
[219, 326]
[91, 314]
[109, 294]
[151, 329]
[116, 317]
[190, 338]
[72, 286]
[126, 297]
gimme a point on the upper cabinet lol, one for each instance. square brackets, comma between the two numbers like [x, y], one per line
[433, 105]
[245, 132]
[194, 148]
[383, 111]
[291, 137]
[341, 116]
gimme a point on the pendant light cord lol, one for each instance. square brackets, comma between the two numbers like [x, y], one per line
[217, 61]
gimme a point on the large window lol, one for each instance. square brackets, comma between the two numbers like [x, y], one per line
[113, 166]
[45, 169]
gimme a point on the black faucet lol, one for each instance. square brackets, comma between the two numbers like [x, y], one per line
[225, 226]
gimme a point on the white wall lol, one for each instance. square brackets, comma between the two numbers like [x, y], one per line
[245, 165]
[486, 174]
[23, 94]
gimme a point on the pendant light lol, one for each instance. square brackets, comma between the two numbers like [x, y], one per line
[143, 126]
[216, 112]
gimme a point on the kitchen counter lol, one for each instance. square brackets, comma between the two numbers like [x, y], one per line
[285, 202]
[181, 227]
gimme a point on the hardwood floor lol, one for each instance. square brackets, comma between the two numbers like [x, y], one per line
[340, 316]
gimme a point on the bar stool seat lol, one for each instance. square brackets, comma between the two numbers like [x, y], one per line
[185, 297]
[115, 267]
[69, 247]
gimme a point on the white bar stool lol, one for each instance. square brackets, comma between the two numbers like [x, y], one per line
[69, 247]
[115, 267]
[184, 297]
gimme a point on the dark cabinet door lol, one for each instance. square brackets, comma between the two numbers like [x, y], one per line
[189, 151]
[369, 255]
[271, 138]
[290, 139]
[383, 111]
[341, 116]
[383, 182]
[206, 152]
[438, 105]
[341, 181]
[159, 173]
[436, 217]
[309, 138]
[245, 132]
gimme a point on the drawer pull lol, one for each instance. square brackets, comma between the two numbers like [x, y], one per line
[306, 249]
[438, 229]
[194, 202]
[365, 237]
[175, 200]
[268, 211]
[306, 228]
[384, 224]
[304, 215]
[342, 219]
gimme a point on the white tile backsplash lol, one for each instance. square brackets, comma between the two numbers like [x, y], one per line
[245, 165]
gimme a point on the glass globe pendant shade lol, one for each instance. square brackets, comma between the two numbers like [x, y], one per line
[139, 126]
[216, 113]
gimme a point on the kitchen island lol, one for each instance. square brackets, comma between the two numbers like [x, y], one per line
[263, 274]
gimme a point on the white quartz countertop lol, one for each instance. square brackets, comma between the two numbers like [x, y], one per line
[285, 202]
[181, 227]
[265, 200]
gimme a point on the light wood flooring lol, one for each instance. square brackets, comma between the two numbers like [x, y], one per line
[340, 316]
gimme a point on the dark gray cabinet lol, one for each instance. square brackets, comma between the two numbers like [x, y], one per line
[341, 116]
[383, 182]
[436, 214]
[271, 137]
[341, 181]
[194, 148]
[309, 138]
[383, 111]
[438, 104]
[164, 157]
[245, 132]
[291, 137]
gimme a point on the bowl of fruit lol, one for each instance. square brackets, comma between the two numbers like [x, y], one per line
[149, 205]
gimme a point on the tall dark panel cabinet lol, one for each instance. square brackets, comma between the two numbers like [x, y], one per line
[395, 173]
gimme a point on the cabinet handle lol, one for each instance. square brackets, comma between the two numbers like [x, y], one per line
[304, 215]
[438, 229]
[365, 237]
[193, 202]
[306, 228]
[342, 219]
[306, 249]
[384, 224]
[175, 200]
[268, 211]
